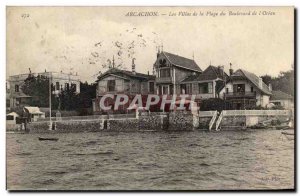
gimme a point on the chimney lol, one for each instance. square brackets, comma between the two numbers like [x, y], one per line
[133, 66]
[230, 70]
[153, 71]
[270, 87]
[148, 73]
[158, 52]
[260, 83]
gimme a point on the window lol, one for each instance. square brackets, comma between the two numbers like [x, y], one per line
[227, 90]
[210, 87]
[165, 90]
[16, 88]
[151, 87]
[189, 89]
[164, 73]
[111, 85]
[183, 88]
[239, 88]
[9, 117]
[159, 90]
[73, 86]
[277, 103]
[205, 88]
[251, 89]
[171, 90]
[57, 85]
[67, 86]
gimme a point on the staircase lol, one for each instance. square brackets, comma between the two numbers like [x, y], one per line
[219, 121]
[212, 121]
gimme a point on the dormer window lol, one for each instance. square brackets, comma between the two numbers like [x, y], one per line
[162, 63]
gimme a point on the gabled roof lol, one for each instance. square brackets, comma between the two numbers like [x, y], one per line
[13, 114]
[210, 73]
[183, 62]
[279, 95]
[126, 74]
[33, 110]
[254, 79]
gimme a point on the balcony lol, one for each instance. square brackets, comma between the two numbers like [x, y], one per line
[240, 95]
[164, 80]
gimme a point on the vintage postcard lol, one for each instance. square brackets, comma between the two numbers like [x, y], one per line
[150, 98]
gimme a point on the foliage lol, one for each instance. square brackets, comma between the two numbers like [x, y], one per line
[259, 107]
[87, 93]
[212, 104]
[277, 107]
[283, 82]
[38, 88]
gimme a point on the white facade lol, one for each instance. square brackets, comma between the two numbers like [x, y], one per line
[58, 79]
[250, 90]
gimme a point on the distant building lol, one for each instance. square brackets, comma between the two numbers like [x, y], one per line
[59, 80]
[34, 113]
[245, 90]
[207, 84]
[283, 99]
[170, 70]
[11, 121]
[116, 81]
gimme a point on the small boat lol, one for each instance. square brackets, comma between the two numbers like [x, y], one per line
[259, 126]
[288, 135]
[49, 138]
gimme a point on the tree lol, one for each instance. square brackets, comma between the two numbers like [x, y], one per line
[283, 82]
[68, 99]
[87, 93]
[266, 79]
[38, 88]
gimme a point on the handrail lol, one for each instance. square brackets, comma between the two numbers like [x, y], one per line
[219, 121]
[255, 112]
[212, 121]
[206, 113]
[90, 117]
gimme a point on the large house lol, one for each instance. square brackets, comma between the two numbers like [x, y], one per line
[59, 79]
[207, 84]
[116, 81]
[170, 70]
[245, 90]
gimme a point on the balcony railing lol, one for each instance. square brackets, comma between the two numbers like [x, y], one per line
[164, 80]
[240, 95]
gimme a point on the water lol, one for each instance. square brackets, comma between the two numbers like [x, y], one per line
[260, 159]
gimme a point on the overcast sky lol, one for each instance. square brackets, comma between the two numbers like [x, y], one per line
[84, 39]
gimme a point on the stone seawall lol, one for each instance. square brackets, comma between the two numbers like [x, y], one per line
[248, 121]
[151, 122]
[172, 121]
[204, 122]
[181, 120]
[123, 125]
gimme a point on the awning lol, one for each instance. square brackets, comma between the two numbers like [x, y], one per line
[33, 110]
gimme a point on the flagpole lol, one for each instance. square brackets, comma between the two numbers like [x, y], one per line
[50, 126]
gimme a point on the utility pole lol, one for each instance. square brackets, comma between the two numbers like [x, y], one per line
[50, 75]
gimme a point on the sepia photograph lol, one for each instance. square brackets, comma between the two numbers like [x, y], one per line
[137, 98]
